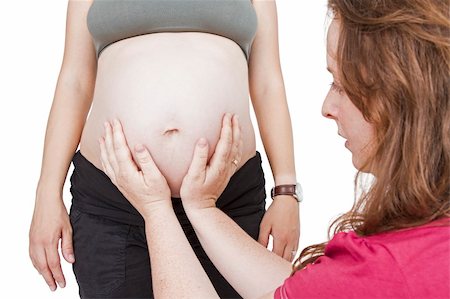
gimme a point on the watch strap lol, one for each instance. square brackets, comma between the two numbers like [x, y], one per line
[292, 189]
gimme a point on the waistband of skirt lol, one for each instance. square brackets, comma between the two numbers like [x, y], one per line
[94, 193]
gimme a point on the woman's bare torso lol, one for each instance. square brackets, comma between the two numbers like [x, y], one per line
[168, 90]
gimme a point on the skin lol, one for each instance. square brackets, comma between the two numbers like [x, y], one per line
[250, 268]
[73, 100]
[267, 92]
[337, 106]
[177, 272]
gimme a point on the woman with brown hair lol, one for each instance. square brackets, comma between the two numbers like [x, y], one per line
[390, 63]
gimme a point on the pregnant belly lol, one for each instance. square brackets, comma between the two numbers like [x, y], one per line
[169, 90]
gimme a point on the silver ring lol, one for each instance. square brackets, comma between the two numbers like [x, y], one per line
[235, 162]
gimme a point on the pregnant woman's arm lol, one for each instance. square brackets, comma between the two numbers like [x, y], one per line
[70, 107]
[269, 102]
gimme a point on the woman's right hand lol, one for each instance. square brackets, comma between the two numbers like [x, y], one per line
[50, 223]
[138, 179]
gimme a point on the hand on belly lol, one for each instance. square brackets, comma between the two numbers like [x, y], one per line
[172, 151]
[171, 146]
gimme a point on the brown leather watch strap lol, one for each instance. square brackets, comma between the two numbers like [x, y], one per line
[283, 190]
[293, 190]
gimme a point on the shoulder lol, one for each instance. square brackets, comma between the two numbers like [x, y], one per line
[420, 238]
[411, 247]
[393, 247]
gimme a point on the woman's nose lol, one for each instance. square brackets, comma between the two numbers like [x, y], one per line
[329, 107]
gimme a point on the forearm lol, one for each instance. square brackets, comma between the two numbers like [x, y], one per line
[65, 124]
[248, 266]
[268, 95]
[275, 127]
[176, 271]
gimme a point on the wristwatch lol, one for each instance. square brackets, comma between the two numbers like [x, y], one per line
[295, 190]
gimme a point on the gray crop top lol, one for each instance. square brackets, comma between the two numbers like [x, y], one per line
[110, 21]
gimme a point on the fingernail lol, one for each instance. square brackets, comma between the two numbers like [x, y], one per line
[202, 142]
[115, 122]
[61, 284]
[139, 148]
[106, 124]
[52, 288]
[71, 258]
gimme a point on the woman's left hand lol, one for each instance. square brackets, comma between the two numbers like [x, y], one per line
[140, 182]
[205, 181]
[282, 222]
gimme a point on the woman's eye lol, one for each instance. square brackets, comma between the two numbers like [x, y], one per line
[336, 88]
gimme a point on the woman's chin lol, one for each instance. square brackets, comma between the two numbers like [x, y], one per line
[361, 164]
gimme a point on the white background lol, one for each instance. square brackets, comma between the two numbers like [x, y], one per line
[32, 43]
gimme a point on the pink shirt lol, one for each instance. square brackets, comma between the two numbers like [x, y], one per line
[409, 263]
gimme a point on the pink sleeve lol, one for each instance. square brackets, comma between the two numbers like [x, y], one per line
[350, 268]
[310, 282]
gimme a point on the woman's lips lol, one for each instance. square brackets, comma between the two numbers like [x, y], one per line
[346, 141]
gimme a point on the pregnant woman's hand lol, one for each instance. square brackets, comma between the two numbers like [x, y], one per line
[205, 182]
[140, 181]
[282, 221]
[50, 223]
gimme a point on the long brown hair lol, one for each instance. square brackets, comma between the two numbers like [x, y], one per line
[393, 60]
